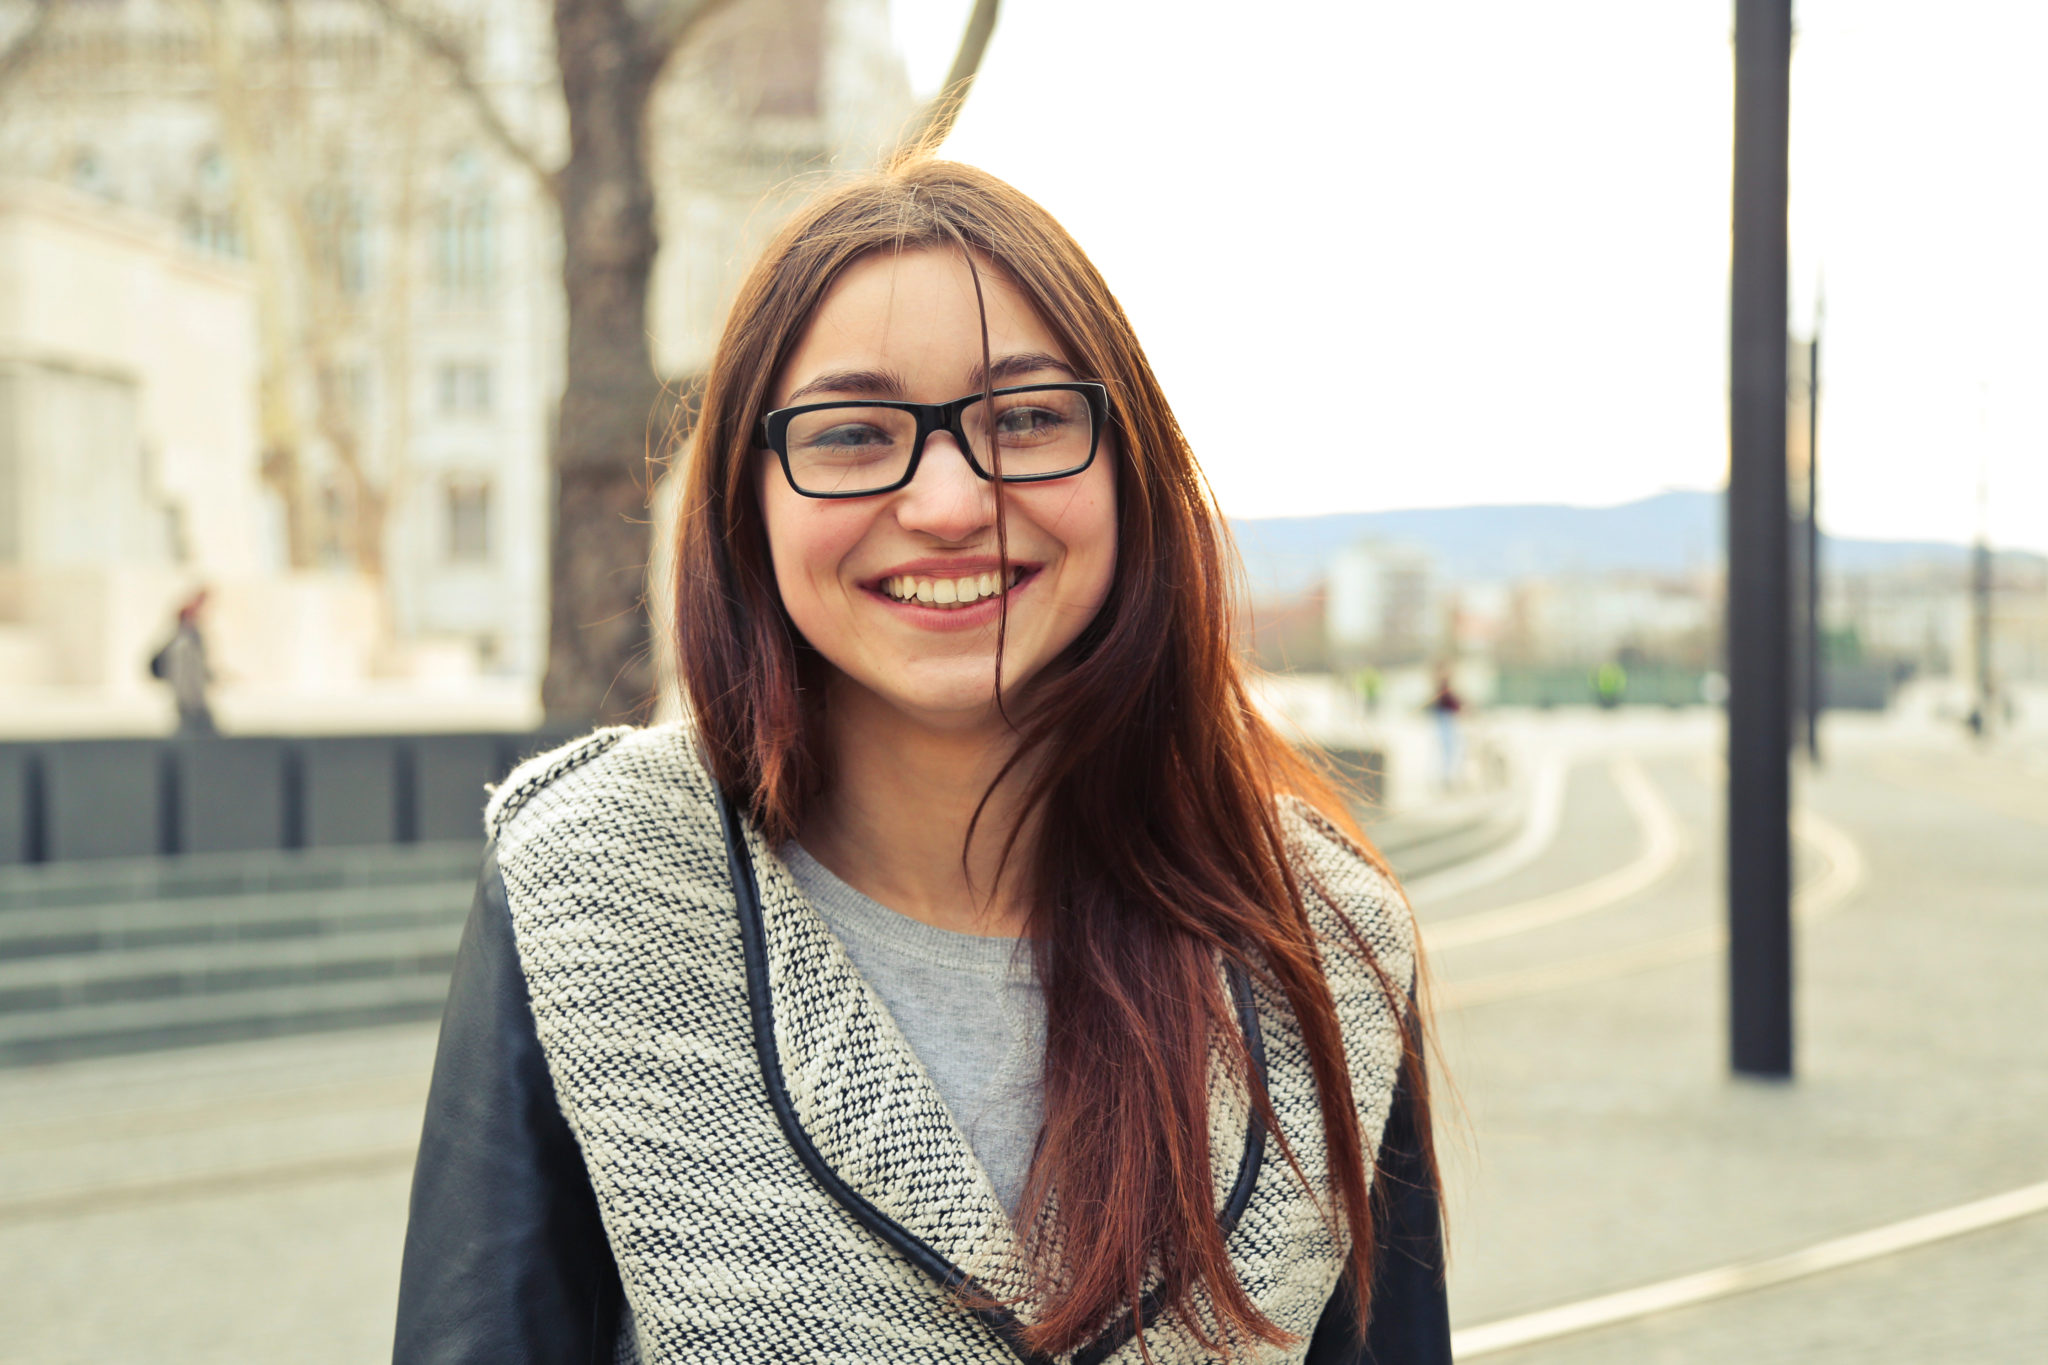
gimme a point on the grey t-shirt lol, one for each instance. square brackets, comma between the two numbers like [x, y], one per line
[970, 1007]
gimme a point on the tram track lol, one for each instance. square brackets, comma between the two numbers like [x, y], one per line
[1741, 1277]
[1662, 846]
[1844, 874]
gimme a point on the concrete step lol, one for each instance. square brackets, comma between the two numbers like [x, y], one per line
[155, 953]
[122, 927]
[39, 1036]
[1432, 838]
[71, 980]
[171, 952]
[212, 875]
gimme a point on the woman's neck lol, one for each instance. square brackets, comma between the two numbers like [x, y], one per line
[894, 820]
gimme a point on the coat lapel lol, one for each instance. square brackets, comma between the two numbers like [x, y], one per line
[866, 1102]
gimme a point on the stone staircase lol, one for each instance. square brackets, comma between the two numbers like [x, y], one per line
[132, 954]
[126, 955]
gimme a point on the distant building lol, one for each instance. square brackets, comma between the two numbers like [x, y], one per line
[1919, 617]
[129, 458]
[1381, 606]
[408, 356]
[1586, 619]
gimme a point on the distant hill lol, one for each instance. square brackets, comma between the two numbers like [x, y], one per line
[1672, 533]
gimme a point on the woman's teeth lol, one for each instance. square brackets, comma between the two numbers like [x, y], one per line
[948, 592]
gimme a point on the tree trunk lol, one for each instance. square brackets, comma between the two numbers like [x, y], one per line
[600, 666]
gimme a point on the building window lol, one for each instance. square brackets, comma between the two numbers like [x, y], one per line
[469, 521]
[89, 173]
[210, 220]
[335, 534]
[340, 224]
[465, 235]
[463, 388]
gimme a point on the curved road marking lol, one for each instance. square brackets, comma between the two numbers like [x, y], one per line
[1846, 868]
[1662, 845]
[1538, 832]
[1743, 1276]
[1826, 893]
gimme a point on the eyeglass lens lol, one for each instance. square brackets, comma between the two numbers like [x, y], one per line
[851, 448]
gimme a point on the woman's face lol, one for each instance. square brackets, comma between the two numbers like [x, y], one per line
[905, 326]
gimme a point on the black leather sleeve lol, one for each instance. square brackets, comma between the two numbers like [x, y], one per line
[1411, 1320]
[505, 1256]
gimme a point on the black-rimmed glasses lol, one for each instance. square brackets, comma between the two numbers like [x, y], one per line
[853, 450]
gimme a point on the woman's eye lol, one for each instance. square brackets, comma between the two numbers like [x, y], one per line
[850, 436]
[1028, 421]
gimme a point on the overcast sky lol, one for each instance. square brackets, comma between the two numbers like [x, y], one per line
[1397, 255]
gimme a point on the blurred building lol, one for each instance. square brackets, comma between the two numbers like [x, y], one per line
[1919, 617]
[1382, 606]
[1584, 619]
[128, 442]
[752, 116]
[403, 265]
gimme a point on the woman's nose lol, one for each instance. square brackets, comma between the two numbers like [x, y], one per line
[946, 499]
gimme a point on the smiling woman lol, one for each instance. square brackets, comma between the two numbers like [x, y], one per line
[875, 583]
[975, 975]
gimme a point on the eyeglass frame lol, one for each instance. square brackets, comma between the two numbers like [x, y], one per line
[936, 417]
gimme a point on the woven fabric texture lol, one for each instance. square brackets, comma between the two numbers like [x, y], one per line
[615, 870]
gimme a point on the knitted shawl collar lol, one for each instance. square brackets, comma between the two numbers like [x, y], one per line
[729, 1247]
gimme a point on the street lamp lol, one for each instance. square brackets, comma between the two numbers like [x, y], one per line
[1759, 546]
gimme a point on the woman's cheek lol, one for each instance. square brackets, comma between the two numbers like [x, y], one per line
[811, 565]
[1091, 536]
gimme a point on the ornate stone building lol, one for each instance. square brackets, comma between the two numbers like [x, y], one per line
[407, 294]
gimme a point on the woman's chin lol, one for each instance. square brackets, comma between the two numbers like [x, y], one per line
[947, 711]
[945, 704]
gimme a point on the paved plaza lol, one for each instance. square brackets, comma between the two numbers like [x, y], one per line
[246, 1201]
[1605, 1146]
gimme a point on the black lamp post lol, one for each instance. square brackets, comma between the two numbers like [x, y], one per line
[1759, 552]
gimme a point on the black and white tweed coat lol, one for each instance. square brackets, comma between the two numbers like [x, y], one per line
[728, 1248]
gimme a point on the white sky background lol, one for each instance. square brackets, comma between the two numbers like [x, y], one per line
[1396, 255]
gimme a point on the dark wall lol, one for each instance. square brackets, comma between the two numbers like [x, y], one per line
[62, 800]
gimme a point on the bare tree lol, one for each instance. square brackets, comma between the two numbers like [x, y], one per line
[611, 54]
[282, 376]
[304, 223]
[267, 134]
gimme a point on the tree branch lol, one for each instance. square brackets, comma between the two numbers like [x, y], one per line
[664, 24]
[451, 58]
[27, 42]
[936, 119]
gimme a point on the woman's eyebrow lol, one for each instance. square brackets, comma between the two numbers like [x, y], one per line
[1018, 365]
[865, 383]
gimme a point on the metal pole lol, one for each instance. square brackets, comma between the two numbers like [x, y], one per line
[1759, 551]
[1815, 662]
[1980, 602]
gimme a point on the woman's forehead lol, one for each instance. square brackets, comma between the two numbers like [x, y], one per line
[915, 316]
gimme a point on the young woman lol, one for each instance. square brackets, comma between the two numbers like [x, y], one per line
[976, 976]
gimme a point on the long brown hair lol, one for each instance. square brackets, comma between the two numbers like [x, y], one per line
[1154, 777]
